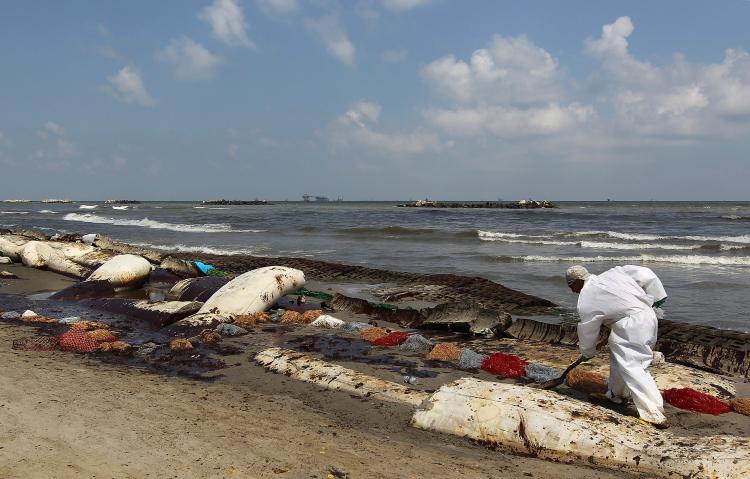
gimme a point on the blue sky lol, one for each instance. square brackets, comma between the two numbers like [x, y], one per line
[375, 99]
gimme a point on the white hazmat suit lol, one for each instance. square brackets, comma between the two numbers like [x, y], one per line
[622, 299]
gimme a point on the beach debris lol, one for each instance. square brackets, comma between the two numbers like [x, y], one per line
[69, 320]
[180, 345]
[5, 260]
[466, 318]
[195, 289]
[123, 271]
[409, 379]
[37, 319]
[146, 349]
[741, 405]
[160, 313]
[291, 317]
[7, 275]
[658, 359]
[587, 381]
[87, 325]
[89, 238]
[227, 329]
[254, 291]
[102, 335]
[37, 343]
[209, 336]
[38, 254]
[78, 341]
[386, 312]
[444, 352]
[392, 339]
[311, 315]
[10, 315]
[372, 334]
[11, 246]
[552, 426]
[355, 326]
[416, 343]
[540, 373]
[250, 320]
[696, 401]
[469, 359]
[328, 322]
[28, 314]
[336, 473]
[323, 296]
[85, 289]
[115, 347]
[505, 365]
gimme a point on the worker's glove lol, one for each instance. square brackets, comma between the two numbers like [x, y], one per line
[659, 313]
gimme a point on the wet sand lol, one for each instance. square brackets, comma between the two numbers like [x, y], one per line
[66, 415]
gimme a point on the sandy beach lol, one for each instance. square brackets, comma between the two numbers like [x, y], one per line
[214, 412]
[66, 415]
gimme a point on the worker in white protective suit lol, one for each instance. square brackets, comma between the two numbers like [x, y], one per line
[624, 299]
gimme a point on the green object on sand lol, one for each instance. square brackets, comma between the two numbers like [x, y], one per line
[313, 294]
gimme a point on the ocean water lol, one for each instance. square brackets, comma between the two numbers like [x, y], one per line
[700, 250]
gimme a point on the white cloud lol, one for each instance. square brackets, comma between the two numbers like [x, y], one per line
[232, 149]
[679, 99]
[278, 7]
[355, 128]
[127, 86]
[55, 128]
[227, 21]
[508, 121]
[191, 60]
[404, 5]
[509, 69]
[335, 39]
[395, 56]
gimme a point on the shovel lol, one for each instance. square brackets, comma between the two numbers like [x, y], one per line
[558, 381]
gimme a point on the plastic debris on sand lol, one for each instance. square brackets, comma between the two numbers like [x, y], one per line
[69, 320]
[37, 343]
[86, 325]
[741, 405]
[505, 365]
[102, 336]
[444, 352]
[115, 347]
[355, 326]
[250, 320]
[372, 334]
[179, 345]
[37, 319]
[327, 322]
[417, 343]
[392, 339]
[696, 401]
[586, 381]
[227, 329]
[209, 336]
[10, 315]
[311, 315]
[470, 359]
[540, 373]
[78, 342]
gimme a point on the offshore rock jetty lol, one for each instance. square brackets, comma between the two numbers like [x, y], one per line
[236, 202]
[516, 205]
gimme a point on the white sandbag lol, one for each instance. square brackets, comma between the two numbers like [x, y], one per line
[327, 322]
[5, 260]
[123, 271]
[548, 425]
[39, 254]
[254, 291]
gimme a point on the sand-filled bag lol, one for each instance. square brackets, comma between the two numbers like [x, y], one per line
[505, 365]
[696, 401]
[123, 271]
[590, 382]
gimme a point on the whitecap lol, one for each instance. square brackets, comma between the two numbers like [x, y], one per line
[148, 223]
[644, 258]
[87, 207]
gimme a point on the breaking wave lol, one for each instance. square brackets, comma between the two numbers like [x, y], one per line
[14, 212]
[584, 239]
[46, 211]
[147, 223]
[200, 249]
[644, 258]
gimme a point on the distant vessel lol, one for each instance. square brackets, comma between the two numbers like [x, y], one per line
[316, 199]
